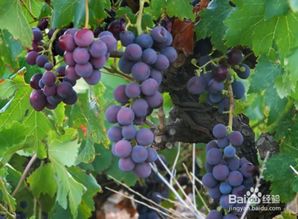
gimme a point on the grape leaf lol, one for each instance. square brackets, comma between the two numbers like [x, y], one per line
[103, 159]
[65, 153]
[180, 8]
[87, 153]
[213, 16]
[156, 8]
[294, 5]
[68, 189]
[246, 26]
[44, 174]
[7, 89]
[87, 205]
[12, 19]
[67, 11]
[275, 8]
[278, 169]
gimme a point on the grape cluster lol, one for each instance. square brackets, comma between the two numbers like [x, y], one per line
[145, 58]
[226, 173]
[154, 189]
[213, 82]
[84, 55]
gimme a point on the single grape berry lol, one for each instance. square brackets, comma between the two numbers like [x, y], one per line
[219, 131]
[220, 73]
[196, 85]
[83, 37]
[235, 56]
[38, 100]
[34, 81]
[31, 57]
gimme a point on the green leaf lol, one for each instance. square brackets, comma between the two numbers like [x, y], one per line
[7, 89]
[87, 205]
[44, 174]
[87, 153]
[246, 26]
[278, 169]
[103, 159]
[67, 11]
[275, 8]
[12, 19]
[265, 75]
[213, 16]
[11, 136]
[65, 153]
[156, 8]
[180, 8]
[70, 191]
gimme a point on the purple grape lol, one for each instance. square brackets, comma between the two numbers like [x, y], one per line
[119, 94]
[64, 90]
[142, 170]
[125, 66]
[152, 155]
[66, 42]
[71, 74]
[116, 27]
[34, 81]
[235, 178]
[243, 72]
[40, 84]
[144, 40]
[111, 113]
[224, 202]
[49, 91]
[220, 172]
[139, 154]
[235, 56]
[149, 87]
[239, 190]
[225, 188]
[156, 75]
[224, 105]
[209, 181]
[110, 42]
[220, 73]
[48, 66]
[140, 71]
[72, 99]
[122, 148]
[81, 55]
[247, 169]
[170, 53]
[31, 57]
[38, 100]
[215, 86]
[83, 37]
[162, 62]
[236, 138]
[125, 116]
[155, 100]
[41, 60]
[140, 107]
[149, 56]
[211, 144]
[238, 89]
[145, 137]
[94, 78]
[105, 33]
[219, 131]
[114, 134]
[160, 35]
[98, 62]
[196, 85]
[132, 90]
[49, 78]
[68, 58]
[84, 70]
[37, 34]
[213, 214]
[214, 193]
[126, 164]
[234, 163]
[213, 156]
[133, 52]
[223, 142]
[229, 151]
[127, 37]
[54, 100]
[129, 132]
[43, 23]
[98, 49]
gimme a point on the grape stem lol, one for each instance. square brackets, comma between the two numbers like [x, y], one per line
[86, 14]
[232, 104]
[140, 16]
[116, 54]
[26, 171]
[114, 71]
[51, 45]
[5, 211]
